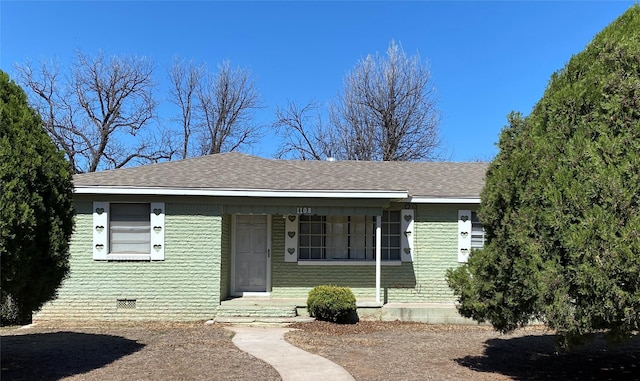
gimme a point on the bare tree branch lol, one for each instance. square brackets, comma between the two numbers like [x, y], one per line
[97, 111]
[387, 110]
[185, 81]
[226, 104]
[301, 141]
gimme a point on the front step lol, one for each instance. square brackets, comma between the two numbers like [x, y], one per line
[262, 320]
[252, 311]
[259, 311]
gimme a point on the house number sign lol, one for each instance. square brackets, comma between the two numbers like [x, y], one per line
[303, 210]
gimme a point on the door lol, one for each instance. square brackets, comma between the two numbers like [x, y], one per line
[251, 254]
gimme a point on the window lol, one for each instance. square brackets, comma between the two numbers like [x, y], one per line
[348, 237]
[128, 231]
[391, 236]
[477, 232]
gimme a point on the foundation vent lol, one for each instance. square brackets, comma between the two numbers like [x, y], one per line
[126, 304]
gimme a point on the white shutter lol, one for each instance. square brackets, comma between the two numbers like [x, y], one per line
[157, 231]
[464, 235]
[100, 230]
[408, 232]
[291, 238]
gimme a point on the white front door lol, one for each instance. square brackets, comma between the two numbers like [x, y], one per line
[251, 254]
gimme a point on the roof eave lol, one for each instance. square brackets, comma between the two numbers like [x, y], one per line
[443, 200]
[151, 191]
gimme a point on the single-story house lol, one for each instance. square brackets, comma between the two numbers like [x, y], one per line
[192, 239]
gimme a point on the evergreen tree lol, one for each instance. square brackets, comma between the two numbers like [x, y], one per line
[561, 203]
[36, 210]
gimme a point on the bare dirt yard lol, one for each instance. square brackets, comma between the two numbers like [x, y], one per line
[368, 350]
[128, 352]
[413, 351]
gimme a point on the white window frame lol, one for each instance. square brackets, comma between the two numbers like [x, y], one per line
[101, 224]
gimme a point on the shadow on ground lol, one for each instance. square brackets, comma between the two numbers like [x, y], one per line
[534, 358]
[52, 356]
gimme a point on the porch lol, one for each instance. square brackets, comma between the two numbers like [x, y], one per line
[266, 310]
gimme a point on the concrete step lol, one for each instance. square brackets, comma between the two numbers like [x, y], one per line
[240, 320]
[261, 311]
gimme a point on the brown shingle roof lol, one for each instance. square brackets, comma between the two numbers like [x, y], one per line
[240, 171]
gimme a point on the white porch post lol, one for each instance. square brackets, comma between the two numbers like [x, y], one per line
[378, 255]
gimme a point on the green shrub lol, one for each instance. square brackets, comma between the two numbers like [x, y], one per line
[332, 303]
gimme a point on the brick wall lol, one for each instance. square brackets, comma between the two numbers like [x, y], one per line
[185, 286]
[423, 281]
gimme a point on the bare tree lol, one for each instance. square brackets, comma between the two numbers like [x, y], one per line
[185, 81]
[301, 141]
[100, 112]
[227, 101]
[386, 111]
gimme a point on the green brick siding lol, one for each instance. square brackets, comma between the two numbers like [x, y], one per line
[422, 281]
[185, 286]
[435, 251]
[196, 273]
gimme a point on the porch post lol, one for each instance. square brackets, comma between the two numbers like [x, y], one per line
[378, 255]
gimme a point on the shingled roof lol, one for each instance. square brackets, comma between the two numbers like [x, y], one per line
[237, 171]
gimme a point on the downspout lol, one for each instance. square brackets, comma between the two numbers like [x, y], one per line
[378, 255]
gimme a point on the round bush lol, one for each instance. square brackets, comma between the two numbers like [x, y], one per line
[332, 303]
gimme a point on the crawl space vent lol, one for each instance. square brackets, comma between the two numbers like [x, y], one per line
[126, 304]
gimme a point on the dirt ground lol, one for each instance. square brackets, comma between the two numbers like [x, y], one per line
[120, 352]
[368, 350]
[412, 351]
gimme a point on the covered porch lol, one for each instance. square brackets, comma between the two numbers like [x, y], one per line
[281, 252]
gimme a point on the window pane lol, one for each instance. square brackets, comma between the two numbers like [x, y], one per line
[394, 254]
[130, 228]
[359, 253]
[315, 228]
[477, 232]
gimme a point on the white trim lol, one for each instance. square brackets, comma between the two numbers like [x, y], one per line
[253, 293]
[157, 231]
[347, 263]
[128, 257]
[464, 235]
[443, 200]
[407, 229]
[378, 255]
[241, 192]
[100, 227]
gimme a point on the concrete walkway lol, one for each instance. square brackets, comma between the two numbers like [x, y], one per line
[293, 364]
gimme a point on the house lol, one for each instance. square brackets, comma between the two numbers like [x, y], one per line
[193, 239]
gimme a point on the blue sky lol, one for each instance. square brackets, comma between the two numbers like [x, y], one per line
[486, 58]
